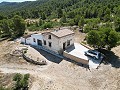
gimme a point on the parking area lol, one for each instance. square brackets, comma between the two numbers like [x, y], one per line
[77, 53]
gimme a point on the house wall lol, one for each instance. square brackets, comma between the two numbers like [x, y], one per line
[22, 40]
[54, 40]
[36, 36]
[57, 43]
[65, 39]
[28, 40]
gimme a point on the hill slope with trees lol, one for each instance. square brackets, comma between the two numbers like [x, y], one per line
[87, 14]
[87, 8]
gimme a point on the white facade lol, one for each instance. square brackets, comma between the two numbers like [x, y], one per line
[32, 39]
[22, 40]
[52, 41]
[57, 43]
[65, 40]
[35, 38]
[26, 40]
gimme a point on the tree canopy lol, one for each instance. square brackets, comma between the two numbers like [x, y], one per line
[13, 28]
[103, 9]
[104, 38]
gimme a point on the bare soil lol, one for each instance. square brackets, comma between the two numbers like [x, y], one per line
[64, 75]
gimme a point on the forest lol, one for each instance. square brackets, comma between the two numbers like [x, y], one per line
[87, 14]
[103, 9]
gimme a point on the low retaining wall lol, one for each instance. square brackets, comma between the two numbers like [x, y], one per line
[86, 46]
[32, 61]
[75, 58]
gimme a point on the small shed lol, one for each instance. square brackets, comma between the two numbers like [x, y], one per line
[26, 39]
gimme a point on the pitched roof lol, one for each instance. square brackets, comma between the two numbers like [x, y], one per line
[27, 36]
[62, 33]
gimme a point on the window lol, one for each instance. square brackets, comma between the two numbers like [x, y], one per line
[34, 40]
[68, 42]
[49, 37]
[44, 42]
[50, 44]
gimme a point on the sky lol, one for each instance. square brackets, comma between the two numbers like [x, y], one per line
[15, 0]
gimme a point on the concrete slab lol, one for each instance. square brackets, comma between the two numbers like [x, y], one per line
[79, 50]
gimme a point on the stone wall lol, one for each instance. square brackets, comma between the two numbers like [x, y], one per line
[75, 58]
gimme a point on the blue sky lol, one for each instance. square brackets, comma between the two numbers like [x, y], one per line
[15, 0]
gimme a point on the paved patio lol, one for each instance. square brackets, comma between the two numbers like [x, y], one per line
[78, 51]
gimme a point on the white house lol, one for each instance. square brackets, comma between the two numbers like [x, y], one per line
[36, 39]
[57, 40]
[32, 39]
[62, 42]
[26, 39]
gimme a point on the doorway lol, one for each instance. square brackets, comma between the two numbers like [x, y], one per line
[64, 44]
[39, 42]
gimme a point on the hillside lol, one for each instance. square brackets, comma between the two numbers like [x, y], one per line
[8, 8]
[86, 8]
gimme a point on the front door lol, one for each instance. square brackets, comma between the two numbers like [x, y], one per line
[64, 44]
[39, 42]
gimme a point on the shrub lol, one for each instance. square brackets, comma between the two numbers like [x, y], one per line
[71, 22]
[21, 81]
[47, 25]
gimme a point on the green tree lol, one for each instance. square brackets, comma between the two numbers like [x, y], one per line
[104, 38]
[5, 28]
[87, 28]
[2, 17]
[71, 14]
[93, 38]
[107, 18]
[63, 19]
[71, 22]
[76, 19]
[59, 13]
[0, 32]
[112, 39]
[117, 24]
[21, 81]
[81, 22]
[18, 77]
[41, 22]
[47, 25]
[43, 16]
[18, 26]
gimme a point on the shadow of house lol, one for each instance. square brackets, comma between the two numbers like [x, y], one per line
[70, 48]
[110, 58]
[56, 59]
[49, 56]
